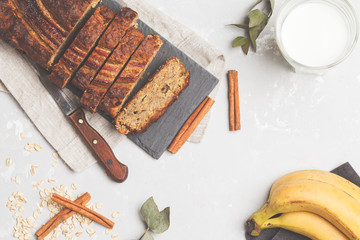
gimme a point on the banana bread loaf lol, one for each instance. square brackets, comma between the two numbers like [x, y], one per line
[151, 102]
[129, 77]
[15, 31]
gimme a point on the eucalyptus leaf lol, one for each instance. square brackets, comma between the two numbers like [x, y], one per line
[257, 3]
[239, 41]
[257, 18]
[243, 26]
[164, 221]
[245, 47]
[147, 236]
[272, 5]
[150, 213]
[255, 32]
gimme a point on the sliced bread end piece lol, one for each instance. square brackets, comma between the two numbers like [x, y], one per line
[152, 101]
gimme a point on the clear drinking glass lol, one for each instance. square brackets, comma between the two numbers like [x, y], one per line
[349, 15]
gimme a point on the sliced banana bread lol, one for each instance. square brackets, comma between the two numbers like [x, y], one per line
[124, 20]
[108, 73]
[151, 102]
[84, 42]
[129, 77]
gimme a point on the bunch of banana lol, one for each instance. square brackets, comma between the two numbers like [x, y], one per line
[314, 203]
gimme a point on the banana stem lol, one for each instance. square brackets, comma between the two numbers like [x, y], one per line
[253, 224]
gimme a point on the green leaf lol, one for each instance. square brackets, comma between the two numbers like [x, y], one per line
[164, 221]
[255, 32]
[147, 236]
[150, 213]
[243, 26]
[245, 47]
[257, 2]
[257, 18]
[239, 41]
[272, 5]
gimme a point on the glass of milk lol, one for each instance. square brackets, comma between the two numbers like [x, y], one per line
[315, 35]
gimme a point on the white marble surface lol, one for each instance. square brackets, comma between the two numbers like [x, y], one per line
[289, 121]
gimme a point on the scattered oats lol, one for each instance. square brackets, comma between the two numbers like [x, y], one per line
[32, 170]
[90, 231]
[115, 214]
[51, 180]
[78, 234]
[17, 180]
[36, 215]
[23, 135]
[39, 210]
[83, 224]
[99, 205]
[13, 179]
[55, 155]
[107, 231]
[8, 162]
[115, 236]
[38, 147]
[54, 163]
[32, 147]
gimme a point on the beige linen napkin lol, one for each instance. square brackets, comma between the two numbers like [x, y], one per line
[21, 80]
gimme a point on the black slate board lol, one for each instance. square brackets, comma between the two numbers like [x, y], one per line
[345, 171]
[160, 134]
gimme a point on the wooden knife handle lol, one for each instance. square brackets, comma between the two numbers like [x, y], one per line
[100, 147]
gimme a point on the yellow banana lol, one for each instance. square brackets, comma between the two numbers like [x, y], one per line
[335, 205]
[307, 224]
[320, 175]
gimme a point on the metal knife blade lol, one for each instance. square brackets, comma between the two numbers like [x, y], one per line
[64, 102]
[116, 170]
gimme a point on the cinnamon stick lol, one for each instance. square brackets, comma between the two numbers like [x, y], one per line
[83, 210]
[190, 125]
[60, 217]
[234, 105]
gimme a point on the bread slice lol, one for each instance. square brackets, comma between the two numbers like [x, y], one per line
[123, 20]
[108, 73]
[84, 42]
[151, 102]
[125, 83]
[15, 31]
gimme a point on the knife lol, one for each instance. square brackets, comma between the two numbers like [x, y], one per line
[115, 169]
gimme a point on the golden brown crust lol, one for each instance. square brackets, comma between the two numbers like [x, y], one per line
[108, 41]
[83, 43]
[66, 12]
[152, 101]
[107, 75]
[125, 83]
[15, 31]
[51, 33]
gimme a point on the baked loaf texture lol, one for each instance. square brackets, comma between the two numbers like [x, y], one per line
[123, 20]
[129, 77]
[15, 31]
[81, 47]
[96, 90]
[41, 24]
[151, 102]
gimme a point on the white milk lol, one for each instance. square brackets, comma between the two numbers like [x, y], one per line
[315, 34]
